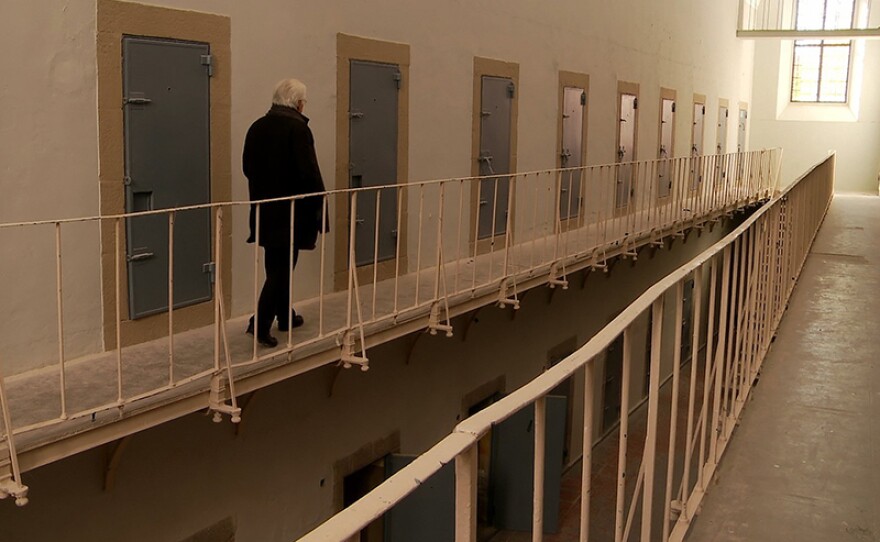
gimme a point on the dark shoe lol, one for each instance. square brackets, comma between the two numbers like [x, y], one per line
[265, 340]
[297, 322]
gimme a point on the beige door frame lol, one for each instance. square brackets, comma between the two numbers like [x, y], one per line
[116, 19]
[350, 48]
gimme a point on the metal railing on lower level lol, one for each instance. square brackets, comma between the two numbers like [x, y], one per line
[741, 288]
[419, 247]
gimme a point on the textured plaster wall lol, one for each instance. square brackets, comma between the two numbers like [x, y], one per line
[48, 170]
[276, 478]
[853, 130]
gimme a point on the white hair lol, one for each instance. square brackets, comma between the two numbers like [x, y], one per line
[289, 92]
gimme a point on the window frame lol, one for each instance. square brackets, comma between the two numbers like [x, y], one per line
[822, 45]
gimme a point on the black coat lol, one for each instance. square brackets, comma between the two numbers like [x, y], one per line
[279, 160]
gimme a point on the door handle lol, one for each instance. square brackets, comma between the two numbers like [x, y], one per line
[140, 257]
[359, 221]
[138, 101]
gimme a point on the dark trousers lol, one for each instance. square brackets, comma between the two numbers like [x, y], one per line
[275, 296]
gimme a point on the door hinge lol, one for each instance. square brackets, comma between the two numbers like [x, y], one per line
[635, 103]
[704, 109]
[673, 107]
[726, 113]
[511, 90]
[398, 79]
[583, 98]
[208, 61]
[210, 268]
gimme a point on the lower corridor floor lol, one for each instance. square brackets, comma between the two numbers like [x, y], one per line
[805, 462]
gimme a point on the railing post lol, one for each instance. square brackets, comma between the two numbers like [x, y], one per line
[13, 486]
[540, 439]
[587, 460]
[466, 495]
[650, 453]
[59, 291]
[673, 415]
[620, 509]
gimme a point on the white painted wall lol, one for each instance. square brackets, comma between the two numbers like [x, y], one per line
[48, 126]
[808, 132]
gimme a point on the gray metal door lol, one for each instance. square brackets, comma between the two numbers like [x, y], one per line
[511, 476]
[626, 144]
[167, 164]
[428, 513]
[741, 143]
[721, 136]
[373, 156]
[741, 131]
[721, 146]
[574, 101]
[611, 391]
[496, 102]
[697, 144]
[687, 316]
[667, 130]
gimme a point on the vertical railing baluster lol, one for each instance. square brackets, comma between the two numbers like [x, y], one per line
[458, 234]
[538, 501]
[696, 315]
[650, 453]
[324, 205]
[673, 406]
[117, 272]
[398, 255]
[720, 358]
[466, 495]
[291, 266]
[620, 508]
[59, 300]
[256, 293]
[419, 242]
[218, 314]
[21, 495]
[707, 370]
[171, 298]
[376, 249]
[587, 446]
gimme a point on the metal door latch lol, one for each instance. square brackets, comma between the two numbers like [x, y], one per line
[136, 101]
[140, 257]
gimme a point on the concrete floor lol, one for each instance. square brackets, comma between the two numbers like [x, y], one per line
[805, 462]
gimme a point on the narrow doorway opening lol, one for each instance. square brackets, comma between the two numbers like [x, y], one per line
[358, 484]
[485, 526]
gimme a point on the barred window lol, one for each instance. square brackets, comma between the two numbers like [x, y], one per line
[821, 68]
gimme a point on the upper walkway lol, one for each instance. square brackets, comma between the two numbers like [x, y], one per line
[804, 463]
[447, 266]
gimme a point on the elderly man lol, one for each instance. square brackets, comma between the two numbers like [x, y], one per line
[279, 161]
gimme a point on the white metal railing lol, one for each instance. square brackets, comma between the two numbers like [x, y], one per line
[779, 18]
[747, 277]
[444, 261]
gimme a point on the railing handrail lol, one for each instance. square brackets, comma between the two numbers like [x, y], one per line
[343, 191]
[468, 432]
